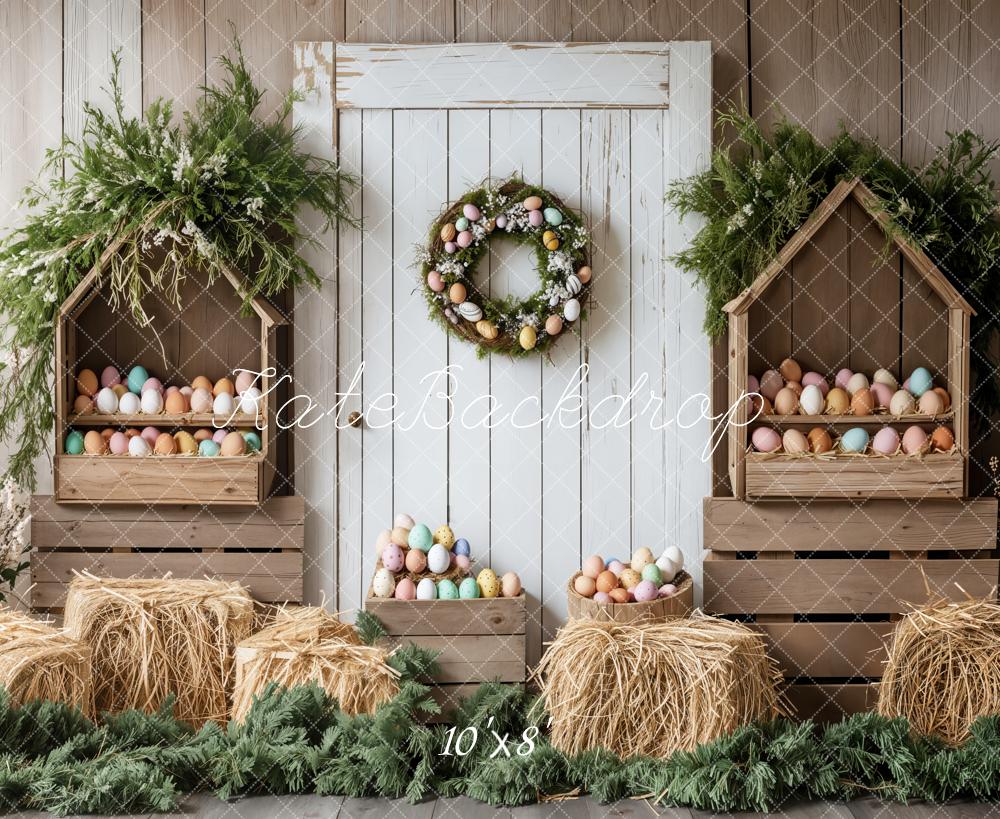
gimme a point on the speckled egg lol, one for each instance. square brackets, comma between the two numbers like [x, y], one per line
[426, 589]
[920, 381]
[438, 558]
[510, 585]
[886, 441]
[652, 573]
[765, 439]
[667, 590]
[854, 440]
[420, 537]
[602, 597]
[862, 402]
[592, 566]
[616, 566]
[393, 558]
[901, 403]
[819, 441]
[584, 585]
[629, 578]
[930, 403]
[642, 557]
[837, 401]
[405, 590]
[383, 584]
[403, 521]
[461, 547]
[814, 379]
[942, 439]
[645, 591]
[914, 440]
[668, 569]
[811, 402]
[771, 383]
[447, 590]
[399, 535]
[842, 377]
[462, 561]
[606, 581]
[468, 589]
[444, 536]
[794, 442]
[415, 560]
[489, 584]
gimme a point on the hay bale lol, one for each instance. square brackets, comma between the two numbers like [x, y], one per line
[308, 644]
[39, 662]
[943, 669]
[654, 688]
[151, 638]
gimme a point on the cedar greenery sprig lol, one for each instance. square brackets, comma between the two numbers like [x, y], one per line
[224, 185]
[759, 189]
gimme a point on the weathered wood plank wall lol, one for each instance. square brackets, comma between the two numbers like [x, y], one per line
[901, 71]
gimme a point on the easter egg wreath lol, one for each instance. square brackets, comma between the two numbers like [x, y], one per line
[459, 239]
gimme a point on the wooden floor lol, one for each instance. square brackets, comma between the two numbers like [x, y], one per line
[336, 807]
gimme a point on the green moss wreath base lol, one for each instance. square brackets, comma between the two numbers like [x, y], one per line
[459, 239]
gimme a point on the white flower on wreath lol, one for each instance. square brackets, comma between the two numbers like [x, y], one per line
[184, 161]
[204, 247]
[214, 166]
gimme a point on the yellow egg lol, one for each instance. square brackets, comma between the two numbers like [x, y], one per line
[94, 443]
[552, 244]
[444, 536]
[488, 583]
[487, 329]
[186, 444]
[165, 444]
[224, 385]
[119, 390]
[629, 578]
[528, 337]
[233, 444]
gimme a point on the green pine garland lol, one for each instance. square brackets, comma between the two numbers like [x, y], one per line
[760, 189]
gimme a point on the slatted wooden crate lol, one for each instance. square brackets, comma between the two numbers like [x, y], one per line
[208, 334]
[477, 640]
[824, 581]
[260, 547]
[834, 298]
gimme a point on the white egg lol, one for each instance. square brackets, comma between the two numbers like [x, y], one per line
[883, 376]
[675, 556]
[107, 401]
[383, 584]
[438, 559]
[223, 404]
[138, 447]
[571, 310]
[250, 401]
[811, 401]
[901, 403]
[403, 521]
[129, 404]
[858, 381]
[667, 568]
[426, 589]
[151, 402]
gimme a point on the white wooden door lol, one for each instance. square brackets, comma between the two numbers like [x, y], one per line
[593, 466]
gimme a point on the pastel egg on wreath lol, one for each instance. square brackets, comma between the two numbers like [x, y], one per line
[553, 325]
[584, 274]
[468, 589]
[464, 238]
[448, 232]
[550, 240]
[462, 224]
[920, 381]
[83, 404]
[914, 440]
[207, 448]
[532, 203]
[501, 221]
[447, 590]
[462, 547]
[405, 590]
[471, 212]
[571, 310]
[393, 558]
[573, 284]
[527, 338]
[419, 537]
[107, 401]
[426, 589]
[451, 315]
[510, 584]
[490, 225]
[815, 379]
[854, 440]
[151, 402]
[450, 247]
[74, 444]
[553, 216]
[383, 583]
[487, 329]
[886, 441]
[535, 218]
[110, 376]
[470, 311]
[136, 378]
[253, 441]
[457, 293]
[553, 300]
[444, 536]
[138, 447]
[129, 404]
[435, 282]
[489, 584]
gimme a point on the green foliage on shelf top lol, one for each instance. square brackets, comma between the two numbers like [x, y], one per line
[759, 190]
[223, 185]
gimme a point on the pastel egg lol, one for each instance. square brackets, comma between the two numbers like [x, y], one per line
[426, 589]
[819, 441]
[448, 232]
[651, 572]
[527, 338]
[571, 310]
[942, 439]
[137, 376]
[94, 443]
[629, 578]
[383, 583]
[901, 403]
[501, 221]
[858, 381]
[618, 595]
[435, 282]
[553, 325]
[786, 402]
[816, 380]
[450, 247]
[616, 566]
[535, 218]
[930, 403]
[129, 404]
[471, 212]
[151, 402]
[462, 561]
[862, 402]
[176, 403]
[87, 383]
[150, 434]
[470, 311]
[592, 566]
[532, 203]
[244, 381]
[667, 590]
[854, 440]
[444, 536]
[920, 381]
[837, 401]
[886, 441]
[438, 559]
[510, 585]
[584, 274]
[152, 384]
[165, 444]
[393, 558]
[602, 597]
[208, 448]
[249, 401]
[645, 591]
[489, 584]
[883, 376]
[74, 444]
[233, 444]
[118, 443]
[462, 547]
[201, 400]
[420, 537]
[223, 404]
[468, 589]
[881, 394]
[405, 590]
[606, 581]
[765, 439]
[457, 293]
[811, 402]
[668, 569]
[186, 444]
[585, 586]
[447, 590]
[914, 440]
[642, 557]
[553, 216]
[107, 401]
[382, 539]
[945, 398]
[487, 329]
[203, 435]
[794, 442]
[138, 447]
[110, 377]
[200, 382]
[842, 377]
[415, 560]
[464, 238]
[404, 521]
[83, 404]
[790, 370]
[253, 440]
[551, 242]
[400, 535]
[771, 383]
[131, 432]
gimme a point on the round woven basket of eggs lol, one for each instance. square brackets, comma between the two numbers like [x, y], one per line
[643, 589]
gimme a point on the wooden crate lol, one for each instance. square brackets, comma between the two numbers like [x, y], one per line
[478, 640]
[208, 334]
[832, 298]
[260, 548]
[825, 581]
[662, 608]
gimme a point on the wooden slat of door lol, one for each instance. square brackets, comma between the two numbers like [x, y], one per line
[516, 451]
[875, 306]
[468, 434]
[606, 494]
[420, 438]
[655, 329]
[173, 52]
[376, 329]
[561, 432]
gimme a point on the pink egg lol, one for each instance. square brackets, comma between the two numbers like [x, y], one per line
[416, 561]
[463, 562]
[501, 221]
[152, 384]
[593, 566]
[450, 247]
[765, 439]
[753, 384]
[817, 380]
[914, 440]
[150, 434]
[602, 597]
[201, 400]
[464, 238]
[667, 590]
[118, 443]
[771, 383]
[645, 591]
[188, 391]
[392, 558]
[110, 376]
[881, 393]
[405, 590]
[219, 435]
[535, 218]
[244, 381]
[886, 441]
[842, 377]
[435, 282]
[616, 566]
[906, 385]
[471, 212]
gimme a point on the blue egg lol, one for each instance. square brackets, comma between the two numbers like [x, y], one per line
[854, 440]
[469, 590]
[461, 547]
[74, 443]
[461, 223]
[208, 448]
[137, 376]
[447, 590]
[552, 216]
[252, 440]
[920, 381]
[420, 537]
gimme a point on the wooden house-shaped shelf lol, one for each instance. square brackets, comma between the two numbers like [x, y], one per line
[846, 292]
[205, 331]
